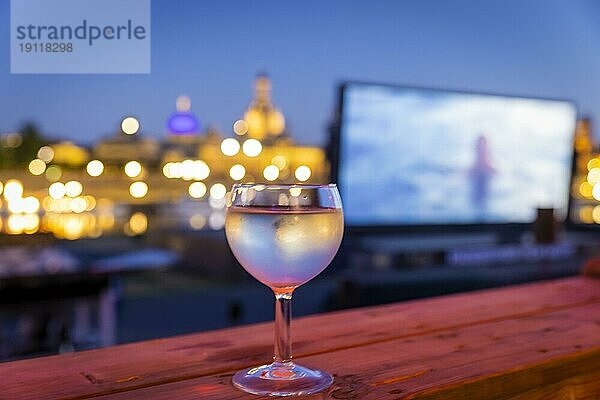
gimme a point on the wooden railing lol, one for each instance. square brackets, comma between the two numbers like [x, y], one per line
[533, 341]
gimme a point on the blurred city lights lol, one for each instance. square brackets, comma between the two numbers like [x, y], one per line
[200, 170]
[73, 188]
[68, 213]
[166, 170]
[130, 126]
[216, 220]
[596, 214]
[585, 214]
[138, 189]
[57, 190]
[37, 166]
[46, 154]
[252, 147]
[95, 168]
[197, 221]
[53, 173]
[595, 191]
[11, 139]
[13, 189]
[172, 170]
[183, 103]
[279, 161]
[593, 176]
[78, 205]
[31, 205]
[187, 168]
[218, 191]
[73, 226]
[90, 202]
[217, 203]
[276, 122]
[15, 205]
[240, 127]
[230, 147]
[302, 173]
[593, 163]
[271, 172]
[22, 223]
[197, 190]
[133, 169]
[138, 223]
[237, 172]
[585, 189]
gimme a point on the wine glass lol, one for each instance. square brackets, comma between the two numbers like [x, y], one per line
[284, 235]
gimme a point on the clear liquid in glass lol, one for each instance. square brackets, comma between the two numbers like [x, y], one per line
[283, 247]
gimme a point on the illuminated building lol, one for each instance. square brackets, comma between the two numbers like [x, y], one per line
[586, 177]
[68, 154]
[262, 120]
[74, 189]
[123, 147]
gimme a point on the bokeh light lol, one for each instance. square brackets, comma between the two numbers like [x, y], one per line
[73, 188]
[53, 173]
[197, 190]
[216, 220]
[78, 205]
[31, 205]
[237, 172]
[593, 176]
[302, 173]
[197, 221]
[133, 169]
[271, 172]
[95, 168]
[596, 214]
[37, 167]
[595, 191]
[57, 190]
[585, 189]
[13, 189]
[138, 223]
[230, 147]
[279, 161]
[240, 127]
[138, 189]
[183, 103]
[46, 154]
[130, 126]
[252, 147]
[218, 191]
[593, 163]
[585, 214]
[200, 170]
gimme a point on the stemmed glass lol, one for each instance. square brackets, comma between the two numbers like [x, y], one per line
[284, 235]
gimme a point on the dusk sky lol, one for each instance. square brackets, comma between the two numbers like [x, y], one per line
[211, 51]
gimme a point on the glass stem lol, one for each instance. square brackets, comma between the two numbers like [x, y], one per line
[283, 317]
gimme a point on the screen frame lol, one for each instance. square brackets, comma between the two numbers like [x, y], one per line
[506, 229]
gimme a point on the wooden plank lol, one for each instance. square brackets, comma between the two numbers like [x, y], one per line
[510, 359]
[128, 367]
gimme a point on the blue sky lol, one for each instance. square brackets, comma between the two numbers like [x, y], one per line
[211, 51]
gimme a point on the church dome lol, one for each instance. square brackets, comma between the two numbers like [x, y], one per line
[183, 121]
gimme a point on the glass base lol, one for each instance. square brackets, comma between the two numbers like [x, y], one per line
[282, 379]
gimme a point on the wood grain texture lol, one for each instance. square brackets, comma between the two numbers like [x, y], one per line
[418, 350]
[492, 361]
